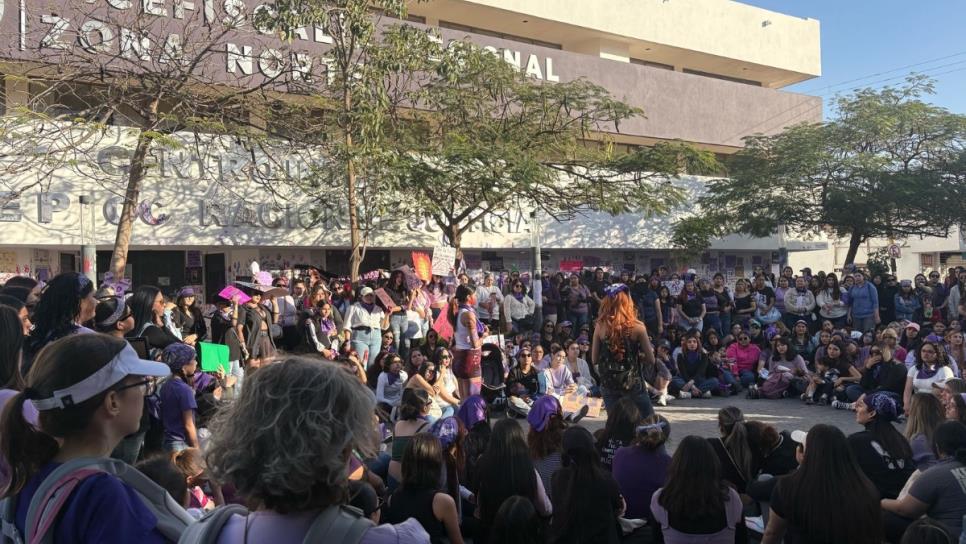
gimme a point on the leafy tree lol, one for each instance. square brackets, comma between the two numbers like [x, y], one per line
[889, 165]
[488, 138]
[350, 115]
[139, 75]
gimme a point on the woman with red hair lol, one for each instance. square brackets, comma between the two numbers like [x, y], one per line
[619, 347]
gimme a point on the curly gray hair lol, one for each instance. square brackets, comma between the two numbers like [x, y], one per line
[284, 443]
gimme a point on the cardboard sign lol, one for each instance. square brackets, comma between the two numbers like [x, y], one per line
[423, 264]
[214, 357]
[231, 291]
[443, 326]
[444, 258]
[573, 402]
[384, 298]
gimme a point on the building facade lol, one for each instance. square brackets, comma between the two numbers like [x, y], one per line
[709, 72]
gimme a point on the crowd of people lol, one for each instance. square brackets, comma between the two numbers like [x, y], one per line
[389, 410]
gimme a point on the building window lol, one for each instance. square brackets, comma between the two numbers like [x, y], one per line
[643, 62]
[726, 78]
[927, 260]
[501, 35]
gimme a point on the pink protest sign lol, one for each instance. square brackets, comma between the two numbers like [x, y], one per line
[231, 291]
[443, 326]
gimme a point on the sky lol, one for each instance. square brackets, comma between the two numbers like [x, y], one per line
[875, 39]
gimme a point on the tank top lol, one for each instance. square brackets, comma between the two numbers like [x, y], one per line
[416, 503]
[462, 339]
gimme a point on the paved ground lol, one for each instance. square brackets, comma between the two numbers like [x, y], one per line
[699, 416]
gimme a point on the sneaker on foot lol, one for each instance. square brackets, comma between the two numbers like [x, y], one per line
[684, 395]
[575, 418]
[706, 395]
[823, 400]
[809, 401]
[662, 400]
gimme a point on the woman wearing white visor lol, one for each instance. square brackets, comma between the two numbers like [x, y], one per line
[89, 390]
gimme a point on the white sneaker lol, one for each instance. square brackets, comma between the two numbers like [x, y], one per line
[706, 395]
[684, 395]
[662, 400]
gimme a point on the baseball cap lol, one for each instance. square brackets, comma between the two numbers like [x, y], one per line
[126, 363]
[186, 292]
[912, 325]
[799, 436]
[365, 291]
[542, 410]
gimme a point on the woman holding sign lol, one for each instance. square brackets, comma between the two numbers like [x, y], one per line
[467, 341]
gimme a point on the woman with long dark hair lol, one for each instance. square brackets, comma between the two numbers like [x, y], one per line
[620, 345]
[620, 430]
[65, 304]
[420, 496]
[883, 453]
[186, 315]
[696, 500]
[733, 448]
[113, 316]
[147, 305]
[89, 390]
[11, 353]
[931, 368]
[828, 499]
[506, 470]
[399, 293]
[831, 302]
[467, 341]
[586, 498]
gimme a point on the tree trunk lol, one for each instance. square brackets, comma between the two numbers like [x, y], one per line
[854, 242]
[355, 235]
[456, 239]
[125, 225]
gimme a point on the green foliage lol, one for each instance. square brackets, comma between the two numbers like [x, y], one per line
[489, 138]
[891, 165]
[879, 262]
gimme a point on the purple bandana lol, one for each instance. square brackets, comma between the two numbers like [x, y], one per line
[472, 411]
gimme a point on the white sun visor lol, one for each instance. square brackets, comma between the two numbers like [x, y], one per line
[126, 363]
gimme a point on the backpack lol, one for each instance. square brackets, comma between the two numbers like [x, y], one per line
[343, 524]
[53, 492]
[621, 375]
[776, 384]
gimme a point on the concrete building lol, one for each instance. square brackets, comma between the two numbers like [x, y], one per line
[708, 72]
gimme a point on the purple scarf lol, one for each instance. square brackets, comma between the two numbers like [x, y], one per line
[368, 307]
[924, 373]
[327, 325]
[392, 378]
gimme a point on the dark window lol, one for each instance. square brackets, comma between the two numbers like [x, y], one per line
[501, 35]
[652, 64]
[726, 78]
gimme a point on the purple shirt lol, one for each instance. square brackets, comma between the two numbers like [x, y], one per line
[101, 509]
[639, 473]
[268, 526]
[177, 397]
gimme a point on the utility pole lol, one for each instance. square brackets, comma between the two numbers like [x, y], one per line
[537, 290]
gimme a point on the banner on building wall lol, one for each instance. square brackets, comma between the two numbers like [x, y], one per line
[572, 265]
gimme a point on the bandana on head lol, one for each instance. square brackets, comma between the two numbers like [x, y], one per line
[884, 405]
[472, 411]
[447, 430]
[178, 355]
[614, 288]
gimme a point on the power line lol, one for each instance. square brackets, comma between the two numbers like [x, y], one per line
[926, 72]
[839, 84]
[752, 130]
